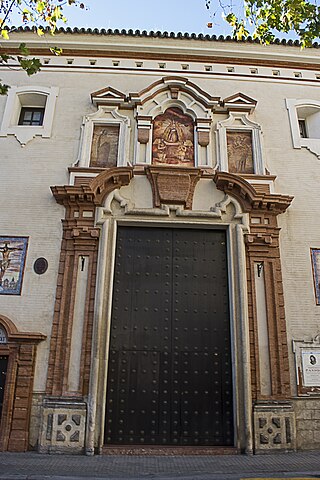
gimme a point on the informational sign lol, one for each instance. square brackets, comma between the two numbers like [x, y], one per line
[311, 367]
[3, 336]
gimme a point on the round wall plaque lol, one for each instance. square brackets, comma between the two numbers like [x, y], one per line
[40, 266]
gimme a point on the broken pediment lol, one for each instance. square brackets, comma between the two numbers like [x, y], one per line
[108, 96]
[239, 101]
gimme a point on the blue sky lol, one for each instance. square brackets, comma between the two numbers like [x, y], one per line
[170, 15]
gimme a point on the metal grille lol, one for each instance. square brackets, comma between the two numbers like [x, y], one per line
[170, 377]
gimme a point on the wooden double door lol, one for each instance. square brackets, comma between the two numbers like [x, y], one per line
[170, 369]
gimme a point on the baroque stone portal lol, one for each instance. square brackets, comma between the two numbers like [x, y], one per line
[173, 139]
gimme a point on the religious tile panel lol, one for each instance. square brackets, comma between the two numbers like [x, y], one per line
[12, 260]
[315, 258]
[173, 139]
[240, 156]
[105, 144]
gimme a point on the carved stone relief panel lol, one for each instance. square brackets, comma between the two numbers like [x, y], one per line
[105, 144]
[173, 139]
[63, 427]
[240, 155]
[274, 427]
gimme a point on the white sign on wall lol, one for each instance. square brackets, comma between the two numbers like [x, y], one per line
[310, 358]
[3, 336]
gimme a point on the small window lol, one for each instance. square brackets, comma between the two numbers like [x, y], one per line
[31, 116]
[303, 129]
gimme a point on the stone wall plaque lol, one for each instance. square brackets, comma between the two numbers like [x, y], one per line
[311, 367]
[105, 144]
[307, 360]
[240, 155]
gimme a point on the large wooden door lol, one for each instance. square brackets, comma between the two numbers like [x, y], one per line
[170, 375]
[3, 374]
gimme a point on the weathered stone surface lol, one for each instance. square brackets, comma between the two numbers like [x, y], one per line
[62, 427]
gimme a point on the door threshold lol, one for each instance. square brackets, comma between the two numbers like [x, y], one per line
[157, 450]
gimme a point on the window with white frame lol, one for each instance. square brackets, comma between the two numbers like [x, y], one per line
[304, 118]
[29, 112]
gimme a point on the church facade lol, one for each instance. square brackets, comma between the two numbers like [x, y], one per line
[160, 246]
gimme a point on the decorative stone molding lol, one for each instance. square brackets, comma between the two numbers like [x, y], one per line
[262, 248]
[239, 102]
[176, 87]
[248, 197]
[106, 115]
[63, 426]
[274, 427]
[174, 186]
[20, 347]
[79, 250]
[108, 96]
[174, 92]
[239, 122]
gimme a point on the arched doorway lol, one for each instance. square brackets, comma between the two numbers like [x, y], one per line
[17, 362]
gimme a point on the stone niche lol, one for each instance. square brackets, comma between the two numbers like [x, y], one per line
[63, 427]
[274, 427]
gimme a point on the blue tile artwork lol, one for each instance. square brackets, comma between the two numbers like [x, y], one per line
[12, 261]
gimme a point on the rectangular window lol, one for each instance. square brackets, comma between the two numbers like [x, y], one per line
[303, 129]
[31, 116]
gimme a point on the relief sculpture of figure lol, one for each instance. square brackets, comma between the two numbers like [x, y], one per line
[173, 139]
[239, 147]
[104, 150]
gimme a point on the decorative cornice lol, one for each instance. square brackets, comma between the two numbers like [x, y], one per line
[108, 181]
[13, 335]
[97, 189]
[248, 197]
[174, 84]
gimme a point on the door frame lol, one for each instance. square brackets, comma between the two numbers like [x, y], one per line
[236, 227]
[20, 348]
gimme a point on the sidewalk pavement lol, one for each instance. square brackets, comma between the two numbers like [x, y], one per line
[34, 466]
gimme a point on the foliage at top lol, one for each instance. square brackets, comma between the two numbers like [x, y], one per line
[264, 19]
[48, 13]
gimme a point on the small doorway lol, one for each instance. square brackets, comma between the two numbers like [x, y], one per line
[170, 367]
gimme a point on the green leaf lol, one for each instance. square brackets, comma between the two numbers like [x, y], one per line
[23, 49]
[4, 88]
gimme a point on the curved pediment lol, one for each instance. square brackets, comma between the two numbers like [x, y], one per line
[248, 197]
